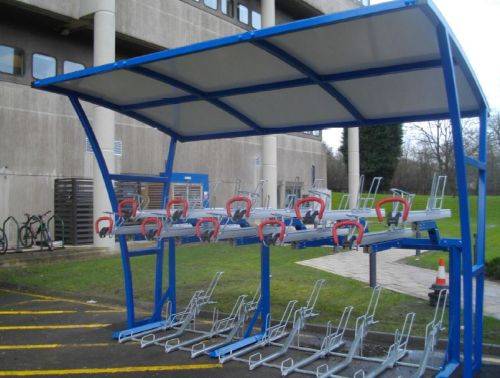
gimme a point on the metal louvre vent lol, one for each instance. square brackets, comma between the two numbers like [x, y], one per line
[117, 147]
[192, 192]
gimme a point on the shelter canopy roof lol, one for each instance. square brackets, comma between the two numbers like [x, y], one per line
[367, 66]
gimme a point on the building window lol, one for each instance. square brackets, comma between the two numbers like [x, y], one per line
[256, 20]
[242, 14]
[43, 66]
[11, 60]
[227, 7]
[69, 66]
[211, 3]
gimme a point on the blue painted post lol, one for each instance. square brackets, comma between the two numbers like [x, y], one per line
[172, 296]
[169, 167]
[461, 175]
[158, 292]
[481, 241]
[454, 312]
[127, 273]
[265, 285]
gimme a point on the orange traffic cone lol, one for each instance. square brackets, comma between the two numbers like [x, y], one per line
[441, 275]
[439, 284]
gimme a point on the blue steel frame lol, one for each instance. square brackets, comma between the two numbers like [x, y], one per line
[465, 266]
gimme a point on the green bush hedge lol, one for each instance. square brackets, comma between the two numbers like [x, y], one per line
[493, 268]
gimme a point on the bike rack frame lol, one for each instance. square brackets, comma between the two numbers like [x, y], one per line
[466, 263]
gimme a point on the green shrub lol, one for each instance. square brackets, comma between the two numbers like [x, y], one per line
[493, 268]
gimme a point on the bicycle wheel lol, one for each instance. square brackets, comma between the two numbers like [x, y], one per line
[26, 237]
[3, 242]
[43, 236]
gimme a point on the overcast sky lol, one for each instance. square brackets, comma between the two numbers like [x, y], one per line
[476, 24]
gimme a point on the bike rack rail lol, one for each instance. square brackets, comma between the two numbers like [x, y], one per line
[241, 314]
[171, 320]
[332, 340]
[278, 331]
[432, 330]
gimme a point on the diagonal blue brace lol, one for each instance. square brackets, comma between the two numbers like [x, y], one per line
[309, 72]
[198, 93]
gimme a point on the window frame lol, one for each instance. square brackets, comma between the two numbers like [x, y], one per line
[209, 7]
[23, 65]
[33, 61]
[252, 12]
[238, 4]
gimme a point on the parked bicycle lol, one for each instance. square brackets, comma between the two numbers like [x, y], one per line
[3, 242]
[35, 231]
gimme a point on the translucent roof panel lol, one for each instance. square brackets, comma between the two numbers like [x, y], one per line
[364, 66]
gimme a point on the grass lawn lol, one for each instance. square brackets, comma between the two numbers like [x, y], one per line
[451, 227]
[197, 264]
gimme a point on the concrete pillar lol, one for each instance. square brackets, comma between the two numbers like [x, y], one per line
[269, 142]
[104, 119]
[353, 164]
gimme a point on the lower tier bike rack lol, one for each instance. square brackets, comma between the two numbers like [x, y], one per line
[199, 299]
[279, 331]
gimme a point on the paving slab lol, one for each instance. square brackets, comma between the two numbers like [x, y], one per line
[395, 275]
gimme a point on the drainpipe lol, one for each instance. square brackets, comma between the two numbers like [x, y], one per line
[269, 142]
[353, 164]
[104, 119]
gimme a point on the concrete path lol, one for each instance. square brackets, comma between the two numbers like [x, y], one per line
[395, 275]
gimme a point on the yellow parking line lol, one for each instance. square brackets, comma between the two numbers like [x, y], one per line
[47, 297]
[51, 326]
[32, 300]
[37, 312]
[53, 346]
[117, 370]
[103, 311]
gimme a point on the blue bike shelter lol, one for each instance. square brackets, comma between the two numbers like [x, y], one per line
[389, 63]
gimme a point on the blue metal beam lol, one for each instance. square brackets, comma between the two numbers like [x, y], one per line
[320, 126]
[197, 92]
[475, 163]
[101, 102]
[127, 272]
[294, 83]
[309, 72]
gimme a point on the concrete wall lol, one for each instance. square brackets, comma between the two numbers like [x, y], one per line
[41, 138]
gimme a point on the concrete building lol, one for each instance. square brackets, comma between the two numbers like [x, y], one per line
[40, 136]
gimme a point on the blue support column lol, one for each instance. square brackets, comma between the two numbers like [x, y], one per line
[127, 273]
[158, 292]
[455, 311]
[461, 176]
[265, 285]
[172, 296]
[481, 241]
[169, 167]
